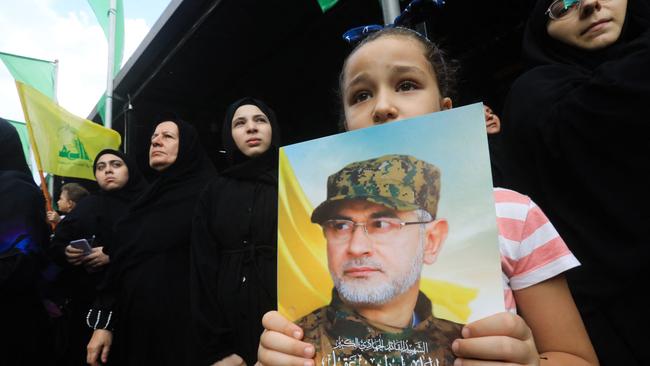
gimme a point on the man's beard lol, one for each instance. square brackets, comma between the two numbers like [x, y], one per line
[358, 291]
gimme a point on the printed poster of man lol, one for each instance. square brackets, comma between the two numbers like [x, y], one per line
[387, 239]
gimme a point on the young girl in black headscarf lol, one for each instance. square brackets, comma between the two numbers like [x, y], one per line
[94, 218]
[235, 240]
[576, 136]
[149, 272]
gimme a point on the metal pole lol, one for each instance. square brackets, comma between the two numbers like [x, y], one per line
[108, 118]
[390, 9]
[55, 84]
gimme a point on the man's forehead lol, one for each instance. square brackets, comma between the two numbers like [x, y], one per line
[362, 207]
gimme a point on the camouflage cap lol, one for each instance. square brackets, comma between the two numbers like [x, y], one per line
[400, 182]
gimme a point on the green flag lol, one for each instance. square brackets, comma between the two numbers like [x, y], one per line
[39, 74]
[21, 127]
[100, 8]
[326, 5]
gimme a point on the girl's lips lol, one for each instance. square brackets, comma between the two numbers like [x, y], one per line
[253, 142]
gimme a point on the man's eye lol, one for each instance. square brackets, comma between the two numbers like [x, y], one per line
[380, 224]
[339, 225]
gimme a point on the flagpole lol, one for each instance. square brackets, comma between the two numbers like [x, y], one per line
[37, 157]
[55, 86]
[390, 9]
[108, 118]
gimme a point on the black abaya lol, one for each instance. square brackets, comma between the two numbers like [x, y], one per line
[234, 251]
[24, 332]
[149, 272]
[93, 218]
[577, 140]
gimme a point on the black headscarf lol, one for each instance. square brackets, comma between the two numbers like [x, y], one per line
[114, 204]
[235, 238]
[23, 235]
[133, 188]
[9, 145]
[236, 157]
[575, 138]
[539, 48]
[170, 199]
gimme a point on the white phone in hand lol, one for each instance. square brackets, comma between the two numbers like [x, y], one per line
[81, 244]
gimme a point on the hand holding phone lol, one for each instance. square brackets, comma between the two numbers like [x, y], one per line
[81, 244]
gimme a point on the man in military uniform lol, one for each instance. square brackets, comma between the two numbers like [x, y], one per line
[380, 223]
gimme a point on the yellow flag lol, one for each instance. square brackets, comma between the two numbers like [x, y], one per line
[66, 145]
[304, 282]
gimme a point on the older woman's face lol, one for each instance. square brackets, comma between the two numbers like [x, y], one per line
[595, 25]
[111, 172]
[163, 150]
[251, 130]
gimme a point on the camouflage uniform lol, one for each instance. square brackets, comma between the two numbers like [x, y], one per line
[343, 337]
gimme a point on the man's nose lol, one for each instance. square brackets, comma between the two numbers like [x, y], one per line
[360, 243]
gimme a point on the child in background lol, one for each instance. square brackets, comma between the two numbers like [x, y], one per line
[71, 194]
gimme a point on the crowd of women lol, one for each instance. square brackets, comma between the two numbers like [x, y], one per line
[183, 269]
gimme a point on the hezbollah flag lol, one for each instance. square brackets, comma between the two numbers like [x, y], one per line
[64, 144]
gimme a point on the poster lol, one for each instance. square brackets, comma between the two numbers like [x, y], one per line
[406, 280]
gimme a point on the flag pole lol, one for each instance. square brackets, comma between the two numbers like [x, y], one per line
[55, 86]
[108, 118]
[37, 157]
[390, 10]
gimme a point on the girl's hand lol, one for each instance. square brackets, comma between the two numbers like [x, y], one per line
[503, 337]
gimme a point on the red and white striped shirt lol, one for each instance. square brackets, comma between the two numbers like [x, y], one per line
[532, 251]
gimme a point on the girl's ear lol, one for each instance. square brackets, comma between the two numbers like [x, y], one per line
[446, 103]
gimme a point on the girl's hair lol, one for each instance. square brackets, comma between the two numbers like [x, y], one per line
[444, 70]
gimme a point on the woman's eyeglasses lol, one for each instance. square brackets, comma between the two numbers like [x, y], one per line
[561, 8]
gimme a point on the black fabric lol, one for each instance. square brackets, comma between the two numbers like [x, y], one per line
[93, 218]
[24, 328]
[9, 144]
[233, 154]
[149, 273]
[234, 253]
[577, 140]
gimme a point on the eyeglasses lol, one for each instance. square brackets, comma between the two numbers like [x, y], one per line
[560, 8]
[380, 229]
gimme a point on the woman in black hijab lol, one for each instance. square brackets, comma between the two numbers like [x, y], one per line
[149, 272]
[94, 217]
[235, 240]
[23, 235]
[576, 139]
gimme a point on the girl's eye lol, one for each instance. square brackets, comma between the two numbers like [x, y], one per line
[406, 86]
[262, 120]
[360, 97]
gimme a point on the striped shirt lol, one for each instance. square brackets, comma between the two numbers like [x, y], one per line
[532, 251]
